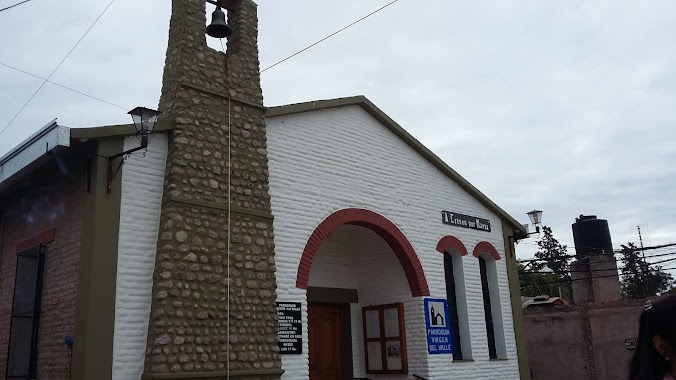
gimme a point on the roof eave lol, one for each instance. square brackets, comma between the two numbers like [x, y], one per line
[47, 139]
[115, 130]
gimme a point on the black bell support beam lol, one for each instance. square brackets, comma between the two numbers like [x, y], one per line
[222, 3]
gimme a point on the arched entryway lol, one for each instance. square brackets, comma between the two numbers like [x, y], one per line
[358, 268]
[383, 228]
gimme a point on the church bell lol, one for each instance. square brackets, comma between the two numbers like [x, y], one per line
[218, 27]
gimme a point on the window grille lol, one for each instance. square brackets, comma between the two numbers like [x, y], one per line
[22, 352]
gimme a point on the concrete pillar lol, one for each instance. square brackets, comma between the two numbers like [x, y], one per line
[582, 288]
[213, 311]
[595, 279]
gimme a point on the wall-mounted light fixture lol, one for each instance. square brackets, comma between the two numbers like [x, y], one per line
[219, 27]
[536, 219]
[144, 122]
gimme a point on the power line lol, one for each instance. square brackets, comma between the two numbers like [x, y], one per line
[290, 56]
[595, 270]
[661, 261]
[57, 67]
[329, 36]
[15, 5]
[598, 270]
[650, 248]
[64, 87]
[581, 279]
[614, 252]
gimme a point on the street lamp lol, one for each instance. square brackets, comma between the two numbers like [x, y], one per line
[144, 122]
[536, 219]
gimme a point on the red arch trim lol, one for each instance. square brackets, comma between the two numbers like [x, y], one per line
[487, 247]
[380, 225]
[451, 242]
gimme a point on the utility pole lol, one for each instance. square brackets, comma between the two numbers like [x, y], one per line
[645, 263]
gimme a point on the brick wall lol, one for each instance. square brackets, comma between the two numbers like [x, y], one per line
[325, 161]
[49, 203]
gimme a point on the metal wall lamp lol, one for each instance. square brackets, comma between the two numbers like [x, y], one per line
[535, 218]
[144, 121]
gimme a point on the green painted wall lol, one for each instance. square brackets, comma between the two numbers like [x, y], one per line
[95, 308]
[515, 295]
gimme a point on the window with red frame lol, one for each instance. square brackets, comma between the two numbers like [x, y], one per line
[385, 339]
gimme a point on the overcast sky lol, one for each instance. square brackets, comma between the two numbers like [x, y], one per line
[566, 106]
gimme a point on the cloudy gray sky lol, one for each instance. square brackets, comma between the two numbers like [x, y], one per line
[565, 106]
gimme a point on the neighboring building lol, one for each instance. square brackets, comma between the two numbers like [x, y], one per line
[595, 337]
[44, 209]
[542, 301]
[383, 259]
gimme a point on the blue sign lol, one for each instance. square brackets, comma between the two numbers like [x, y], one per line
[438, 330]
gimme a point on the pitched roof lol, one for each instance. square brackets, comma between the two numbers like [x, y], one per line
[392, 125]
[361, 101]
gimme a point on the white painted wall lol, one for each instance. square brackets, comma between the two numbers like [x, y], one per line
[324, 161]
[142, 183]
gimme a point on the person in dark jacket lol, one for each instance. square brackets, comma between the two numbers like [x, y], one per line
[655, 356]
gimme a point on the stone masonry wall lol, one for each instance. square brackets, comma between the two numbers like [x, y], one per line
[215, 103]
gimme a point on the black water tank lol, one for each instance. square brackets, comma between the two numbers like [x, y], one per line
[591, 235]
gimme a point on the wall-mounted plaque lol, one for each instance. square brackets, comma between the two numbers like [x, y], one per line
[438, 328]
[631, 343]
[465, 221]
[290, 328]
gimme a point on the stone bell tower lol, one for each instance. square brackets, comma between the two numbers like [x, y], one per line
[213, 313]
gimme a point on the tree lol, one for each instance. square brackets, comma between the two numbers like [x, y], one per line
[553, 254]
[534, 283]
[639, 279]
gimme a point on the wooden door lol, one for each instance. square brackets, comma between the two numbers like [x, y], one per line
[325, 330]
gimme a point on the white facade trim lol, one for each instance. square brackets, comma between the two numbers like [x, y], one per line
[142, 186]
